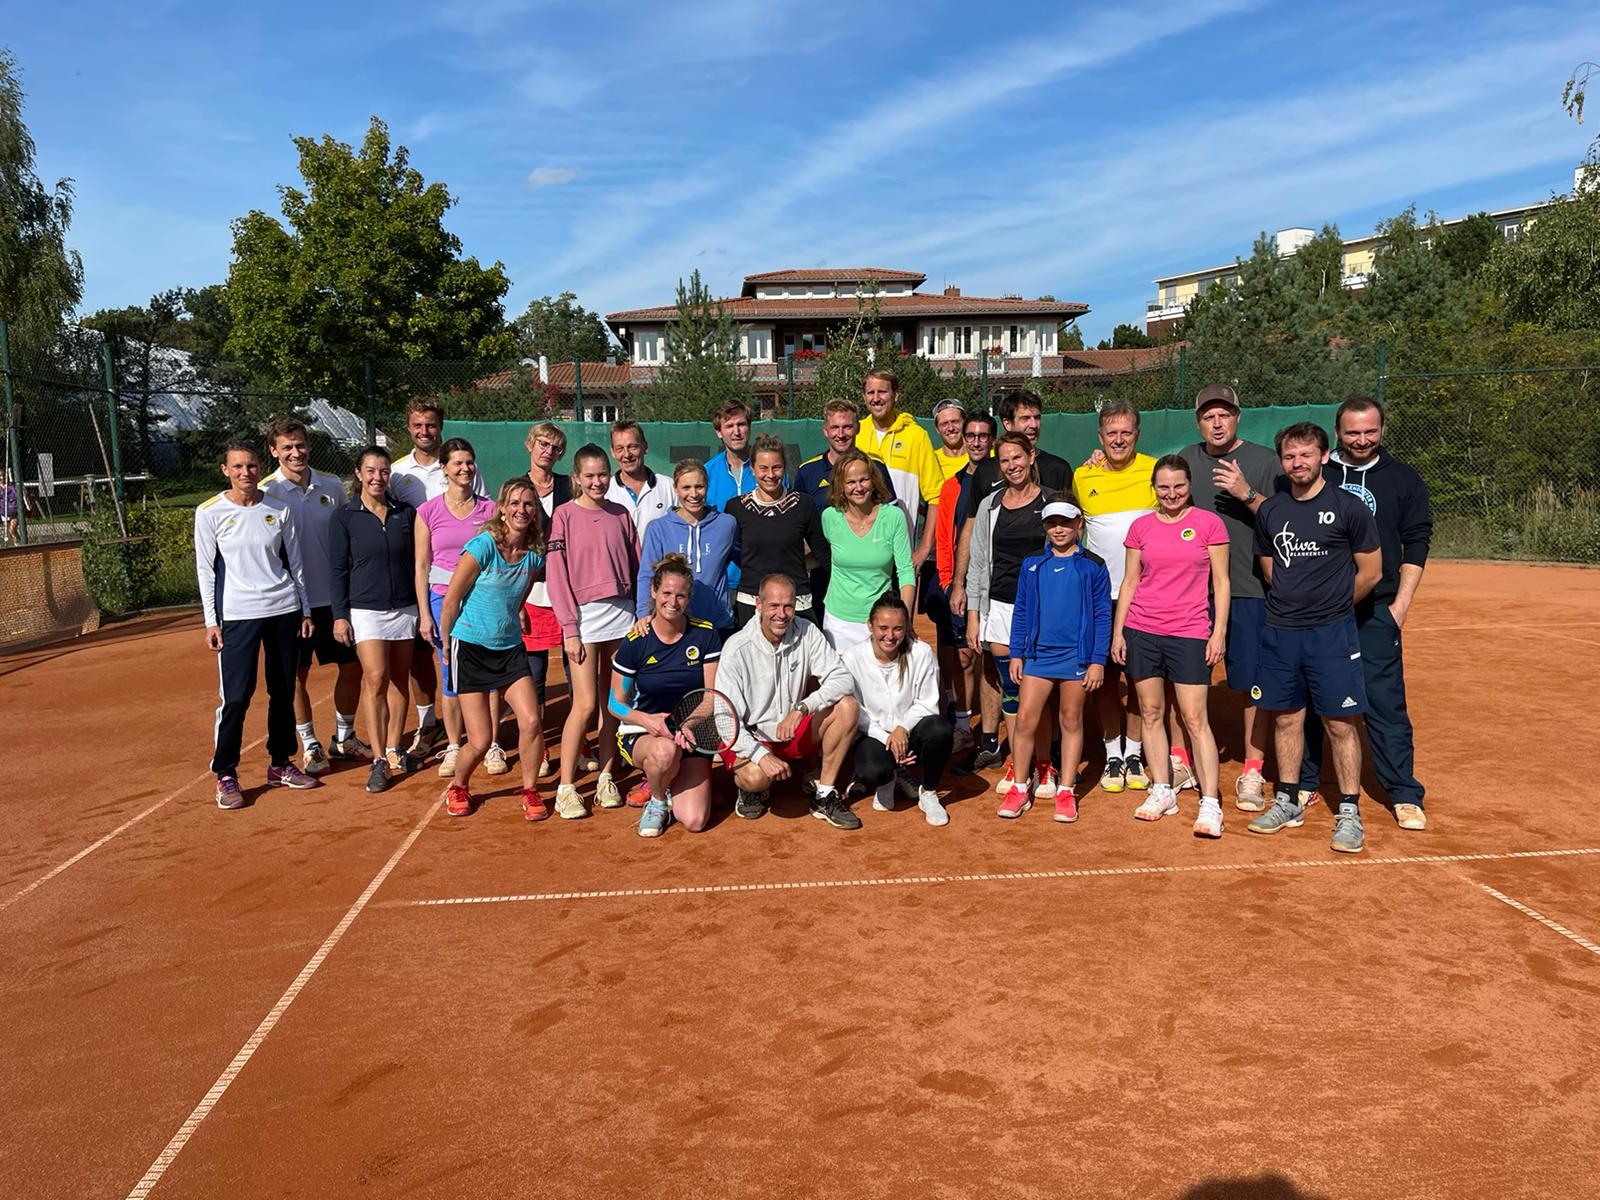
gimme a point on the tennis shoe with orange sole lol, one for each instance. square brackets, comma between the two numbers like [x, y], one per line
[457, 800]
[639, 794]
[533, 806]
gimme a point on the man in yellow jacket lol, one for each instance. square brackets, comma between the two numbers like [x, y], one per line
[900, 444]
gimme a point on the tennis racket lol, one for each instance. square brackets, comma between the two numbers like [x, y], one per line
[708, 717]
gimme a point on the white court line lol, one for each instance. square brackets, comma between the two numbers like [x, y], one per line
[1543, 920]
[1468, 628]
[125, 826]
[920, 880]
[247, 1051]
[1569, 638]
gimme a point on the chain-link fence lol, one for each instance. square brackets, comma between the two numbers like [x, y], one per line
[108, 446]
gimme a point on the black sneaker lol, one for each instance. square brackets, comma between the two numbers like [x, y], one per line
[988, 756]
[378, 777]
[831, 808]
[750, 805]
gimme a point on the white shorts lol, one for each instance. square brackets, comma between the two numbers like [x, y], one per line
[997, 625]
[384, 624]
[842, 635]
[605, 620]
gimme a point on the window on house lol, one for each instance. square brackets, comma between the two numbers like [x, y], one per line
[600, 412]
[898, 338]
[758, 345]
[647, 347]
[1512, 232]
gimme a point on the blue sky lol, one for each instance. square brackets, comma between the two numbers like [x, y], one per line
[609, 148]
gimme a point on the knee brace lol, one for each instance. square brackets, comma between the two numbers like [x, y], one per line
[1009, 701]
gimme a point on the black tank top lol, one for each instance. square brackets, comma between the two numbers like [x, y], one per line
[1018, 534]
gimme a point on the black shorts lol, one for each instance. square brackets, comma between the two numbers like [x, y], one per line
[475, 668]
[1176, 659]
[322, 643]
[625, 742]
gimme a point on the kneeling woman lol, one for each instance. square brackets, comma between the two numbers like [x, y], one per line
[480, 622]
[1060, 634]
[654, 668]
[897, 683]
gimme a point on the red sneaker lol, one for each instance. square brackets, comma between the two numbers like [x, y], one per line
[533, 808]
[1016, 803]
[639, 794]
[1066, 806]
[457, 800]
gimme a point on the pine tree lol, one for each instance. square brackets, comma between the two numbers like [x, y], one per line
[702, 368]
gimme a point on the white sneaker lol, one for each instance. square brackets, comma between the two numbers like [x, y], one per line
[1183, 775]
[928, 802]
[606, 794]
[569, 805]
[1209, 823]
[447, 762]
[1045, 773]
[494, 762]
[883, 798]
[1159, 802]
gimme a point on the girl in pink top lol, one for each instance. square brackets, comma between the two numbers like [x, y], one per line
[445, 524]
[1165, 632]
[591, 564]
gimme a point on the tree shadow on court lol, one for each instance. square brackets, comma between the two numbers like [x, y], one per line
[1267, 1186]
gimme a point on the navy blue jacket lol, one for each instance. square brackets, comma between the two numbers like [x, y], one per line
[1398, 500]
[372, 564]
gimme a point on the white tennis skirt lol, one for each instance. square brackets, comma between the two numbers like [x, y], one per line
[605, 620]
[997, 625]
[842, 635]
[384, 624]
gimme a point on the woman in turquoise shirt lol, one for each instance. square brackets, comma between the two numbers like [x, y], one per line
[871, 549]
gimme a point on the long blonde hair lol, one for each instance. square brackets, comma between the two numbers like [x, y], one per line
[496, 526]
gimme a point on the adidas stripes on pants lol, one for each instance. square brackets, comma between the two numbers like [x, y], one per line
[243, 644]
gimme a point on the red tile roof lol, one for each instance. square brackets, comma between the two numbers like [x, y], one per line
[1117, 362]
[918, 304]
[597, 374]
[832, 275]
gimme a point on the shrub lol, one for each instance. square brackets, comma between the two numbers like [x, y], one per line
[152, 569]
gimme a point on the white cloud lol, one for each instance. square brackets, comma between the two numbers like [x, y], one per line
[543, 177]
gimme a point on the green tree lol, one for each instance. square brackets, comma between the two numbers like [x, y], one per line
[1550, 275]
[1124, 337]
[702, 367]
[361, 267]
[142, 340]
[41, 280]
[563, 330]
[1572, 97]
[1071, 338]
[1466, 245]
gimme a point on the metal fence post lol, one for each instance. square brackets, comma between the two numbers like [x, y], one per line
[1382, 368]
[372, 402]
[13, 438]
[788, 369]
[118, 489]
[1183, 370]
[577, 389]
[983, 373]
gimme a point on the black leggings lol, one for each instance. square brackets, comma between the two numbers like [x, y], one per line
[872, 765]
[539, 668]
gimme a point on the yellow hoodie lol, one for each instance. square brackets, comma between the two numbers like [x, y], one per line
[906, 453]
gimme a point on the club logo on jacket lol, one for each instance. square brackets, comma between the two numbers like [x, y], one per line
[692, 653]
[270, 519]
[1360, 492]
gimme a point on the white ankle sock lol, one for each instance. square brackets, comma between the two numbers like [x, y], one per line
[424, 715]
[1131, 747]
[1113, 748]
[344, 726]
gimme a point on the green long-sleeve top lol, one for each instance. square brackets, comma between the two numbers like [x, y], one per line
[865, 567]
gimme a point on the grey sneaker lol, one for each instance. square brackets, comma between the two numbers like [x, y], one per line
[750, 805]
[1348, 837]
[830, 807]
[1284, 814]
[985, 758]
[883, 799]
[656, 817]
[378, 777]
[1252, 792]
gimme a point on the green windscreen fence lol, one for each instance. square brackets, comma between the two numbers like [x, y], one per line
[501, 452]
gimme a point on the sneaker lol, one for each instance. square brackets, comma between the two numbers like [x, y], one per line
[1048, 785]
[986, 758]
[494, 760]
[963, 744]
[290, 776]
[228, 794]
[1284, 814]
[1307, 797]
[750, 805]
[588, 763]
[831, 808]
[883, 798]
[606, 794]
[639, 794]
[378, 777]
[315, 761]
[1183, 775]
[656, 817]
[1006, 781]
[907, 786]
[546, 767]
[1016, 803]
[856, 791]
[1133, 773]
[1114, 777]
[928, 802]
[447, 762]
[1251, 791]
[1066, 806]
[1348, 837]
[1161, 802]
[1209, 823]
[425, 739]
[1410, 816]
[457, 800]
[569, 805]
[399, 762]
[533, 808]
[351, 748]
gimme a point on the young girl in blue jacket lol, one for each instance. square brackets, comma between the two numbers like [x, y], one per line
[1060, 635]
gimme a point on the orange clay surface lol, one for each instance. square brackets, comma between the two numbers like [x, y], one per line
[200, 1006]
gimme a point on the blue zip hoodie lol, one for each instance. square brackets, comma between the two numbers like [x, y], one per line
[709, 544]
[1085, 587]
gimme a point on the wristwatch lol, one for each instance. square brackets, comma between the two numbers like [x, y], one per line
[800, 707]
[1250, 496]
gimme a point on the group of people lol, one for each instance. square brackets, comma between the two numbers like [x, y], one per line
[793, 589]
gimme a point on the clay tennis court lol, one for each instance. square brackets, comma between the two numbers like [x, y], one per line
[334, 994]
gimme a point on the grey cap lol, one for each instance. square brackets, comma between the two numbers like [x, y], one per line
[1216, 393]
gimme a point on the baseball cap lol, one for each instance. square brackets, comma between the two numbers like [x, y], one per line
[947, 402]
[1216, 393]
[1060, 508]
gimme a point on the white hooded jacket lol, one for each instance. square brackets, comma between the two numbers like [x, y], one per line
[764, 681]
[908, 694]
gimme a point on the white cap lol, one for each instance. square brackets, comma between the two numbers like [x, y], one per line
[1060, 508]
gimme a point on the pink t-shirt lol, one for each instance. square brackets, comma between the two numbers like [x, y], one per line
[448, 533]
[1174, 592]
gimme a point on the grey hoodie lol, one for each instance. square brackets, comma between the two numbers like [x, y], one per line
[764, 681]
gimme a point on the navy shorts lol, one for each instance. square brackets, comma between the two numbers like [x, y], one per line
[322, 643]
[1176, 659]
[1323, 662]
[1247, 617]
[948, 629]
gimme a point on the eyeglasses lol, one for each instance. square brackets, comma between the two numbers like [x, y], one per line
[981, 435]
